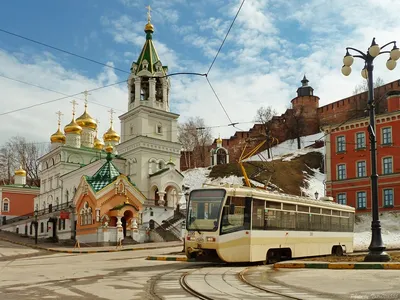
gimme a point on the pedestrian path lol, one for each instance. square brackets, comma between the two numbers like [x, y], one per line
[55, 247]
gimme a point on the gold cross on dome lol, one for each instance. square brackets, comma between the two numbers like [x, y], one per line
[111, 111]
[59, 113]
[86, 93]
[148, 14]
[74, 104]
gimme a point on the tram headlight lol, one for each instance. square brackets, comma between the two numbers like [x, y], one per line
[210, 239]
[190, 238]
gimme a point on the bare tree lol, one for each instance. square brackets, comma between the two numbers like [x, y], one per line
[195, 137]
[363, 87]
[295, 124]
[264, 116]
[19, 152]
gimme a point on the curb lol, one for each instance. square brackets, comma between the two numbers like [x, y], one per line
[170, 258]
[85, 251]
[341, 265]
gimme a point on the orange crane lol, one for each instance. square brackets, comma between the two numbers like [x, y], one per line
[251, 153]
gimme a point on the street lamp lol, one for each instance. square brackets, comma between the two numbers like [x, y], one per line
[376, 248]
[187, 193]
[316, 194]
[36, 225]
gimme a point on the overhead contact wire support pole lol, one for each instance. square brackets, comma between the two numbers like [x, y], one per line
[376, 249]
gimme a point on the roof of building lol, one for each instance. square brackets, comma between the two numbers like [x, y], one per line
[104, 176]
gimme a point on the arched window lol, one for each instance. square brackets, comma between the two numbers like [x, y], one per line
[6, 205]
[66, 196]
[86, 215]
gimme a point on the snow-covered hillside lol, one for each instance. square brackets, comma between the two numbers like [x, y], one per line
[195, 178]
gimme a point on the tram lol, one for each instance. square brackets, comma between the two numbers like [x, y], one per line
[243, 224]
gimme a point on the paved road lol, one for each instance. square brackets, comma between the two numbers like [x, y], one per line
[127, 275]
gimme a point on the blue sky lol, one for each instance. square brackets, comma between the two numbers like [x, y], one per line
[271, 46]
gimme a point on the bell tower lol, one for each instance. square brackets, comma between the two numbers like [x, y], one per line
[149, 129]
[147, 83]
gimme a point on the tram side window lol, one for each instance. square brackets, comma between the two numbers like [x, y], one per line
[303, 222]
[258, 214]
[236, 214]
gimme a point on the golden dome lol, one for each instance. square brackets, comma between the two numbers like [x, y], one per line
[86, 121]
[58, 136]
[149, 27]
[98, 144]
[111, 135]
[20, 172]
[219, 140]
[73, 127]
[109, 148]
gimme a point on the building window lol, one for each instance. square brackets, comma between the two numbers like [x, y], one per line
[86, 215]
[341, 198]
[50, 183]
[360, 140]
[361, 169]
[340, 144]
[159, 129]
[341, 171]
[361, 200]
[387, 165]
[41, 227]
[387, 136]
[388, 197]
[6, 205]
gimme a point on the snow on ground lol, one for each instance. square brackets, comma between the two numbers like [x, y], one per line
[390, 222]
[288, 149]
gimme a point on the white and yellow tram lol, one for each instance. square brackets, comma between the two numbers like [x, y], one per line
[242, 224]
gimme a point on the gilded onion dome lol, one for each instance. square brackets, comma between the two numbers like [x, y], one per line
[98, 144]
[109, 148]
[20, 172]
[219, 140]
[73, 127]
[86, 121]
[111, 135]
[58, 136]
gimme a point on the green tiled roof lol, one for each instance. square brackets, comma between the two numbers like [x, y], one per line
[149, 53]
[104, 176]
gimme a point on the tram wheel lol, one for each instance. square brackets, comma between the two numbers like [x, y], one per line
[337, 250]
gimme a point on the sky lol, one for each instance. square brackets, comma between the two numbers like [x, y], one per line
[270, 47]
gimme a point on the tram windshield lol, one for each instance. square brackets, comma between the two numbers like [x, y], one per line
[204, 209]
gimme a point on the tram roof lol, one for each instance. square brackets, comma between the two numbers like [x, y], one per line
[276, 196]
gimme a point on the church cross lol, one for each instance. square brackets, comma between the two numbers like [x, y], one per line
[111, 111]
[74, 104]
[148, 14]
[59, 113]
[86, 93]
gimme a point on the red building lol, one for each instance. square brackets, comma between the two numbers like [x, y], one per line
[348, 159]
[17, 199]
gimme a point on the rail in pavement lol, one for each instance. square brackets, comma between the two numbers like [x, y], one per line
[337, 265]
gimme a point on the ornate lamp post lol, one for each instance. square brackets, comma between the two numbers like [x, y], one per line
[376, 248]
[35, 222]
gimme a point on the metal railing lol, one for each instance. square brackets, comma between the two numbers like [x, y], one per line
[41, 212]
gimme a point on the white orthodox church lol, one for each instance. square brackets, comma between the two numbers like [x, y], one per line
[104, 192]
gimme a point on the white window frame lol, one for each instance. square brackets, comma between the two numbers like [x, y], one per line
[358, 169]
[357, 199]
[384, 197]
[340, 146]
[383, 165]
[340, 201]
[364, 144]
[338, 173]
[5, 201]
[390, 141]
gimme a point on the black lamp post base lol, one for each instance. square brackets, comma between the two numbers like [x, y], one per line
[377, 256]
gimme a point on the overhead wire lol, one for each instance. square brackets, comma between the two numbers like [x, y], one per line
[58, 99]
[54, 91]
[61, 50]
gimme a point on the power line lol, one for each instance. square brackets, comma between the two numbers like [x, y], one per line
[226, 36]
[215, 93]
[50, 90]
[58, 99]
[62, 50]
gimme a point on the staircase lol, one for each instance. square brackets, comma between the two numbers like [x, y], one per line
[170, 229]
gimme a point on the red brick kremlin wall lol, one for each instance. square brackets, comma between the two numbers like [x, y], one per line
[339, 111]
